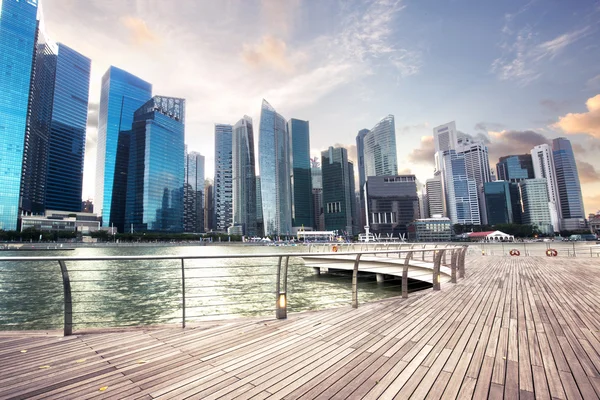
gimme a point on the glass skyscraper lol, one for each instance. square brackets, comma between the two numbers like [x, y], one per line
[393, 204]
[18, 27]
[515, 168]
[498, 201]
[121, 95]
[380, 149]
[244, 177]
[536, 207]
[156, 167]
[223, 185]
[567, 180]
[66, 148]
[362, 178]
[301, 179]
[193, 211]
[460, 190]
[543, 168]
[338, 190]
[274, 153]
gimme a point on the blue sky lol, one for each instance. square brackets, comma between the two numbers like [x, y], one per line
[513, 73]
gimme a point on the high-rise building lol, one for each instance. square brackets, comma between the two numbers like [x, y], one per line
[244, 177]
[223, 184]
[317, 194]
[338, 190]
[380, 149]
[260, 230]
[193, 192]
[301, 179]
[499, 203]
[435, 195]
[209, 206]
[568, 185]
[536, 207]
[66, 148]
[477, 164]
[460, 190]
[515, 168]
[515, 202]
[18, 27]
[274, 153]
[444, 138]
[423, 203]
[155, 176]
[392, 203]
[362, 178]
[543, 168]
[121, 95]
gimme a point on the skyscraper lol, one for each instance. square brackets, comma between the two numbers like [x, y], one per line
[260, 230]
[301, 180]
[209, 206]
[223, 184]
[534, 194]
[121, 95]
[193, 193]
[156, 166]
[18, 26]
[66, 148]
[274, 153]
[498, 201]
[317, 194]
[338, 190]
[477, 164]
[515, 168]
[543, 168]
[568, 185]
[444, 138]
[380, 149]
[393, 204]
[244, 176]
[362, 178]
[435, 195]
[460, 190]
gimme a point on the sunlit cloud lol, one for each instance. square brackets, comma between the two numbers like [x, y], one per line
[586, 122]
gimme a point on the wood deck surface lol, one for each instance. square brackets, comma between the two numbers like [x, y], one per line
[513, 328]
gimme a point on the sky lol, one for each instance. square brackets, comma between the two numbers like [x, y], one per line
[512, 73]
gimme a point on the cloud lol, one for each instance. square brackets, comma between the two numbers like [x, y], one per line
[594, 83]
[405, 171]
[587, 122]
[522, 57]
[92, 117]
[552, 106]
[512, 142]
[271, 53]
[489, 126]
[592, 203]
[279, 15]
[424, 153]
[139, 31]
[587, 172]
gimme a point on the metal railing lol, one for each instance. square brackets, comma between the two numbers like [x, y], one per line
[437, 257]
[533, 249]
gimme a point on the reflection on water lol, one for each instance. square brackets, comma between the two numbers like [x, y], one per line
[126, 293]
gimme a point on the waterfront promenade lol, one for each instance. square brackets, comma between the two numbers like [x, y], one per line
[515, 327]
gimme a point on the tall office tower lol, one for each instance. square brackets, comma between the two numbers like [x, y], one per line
[301, 179]
[317, 194]
[155, 176]
[444, 138]
[274, 153]
[543, 167]
[536, 207]
[478, 168]
[260, 226]
[435, 195]
[223, 184]
[568, 185]
[423, 204]
[515, 202]
[499, 202]
[460, 190]
[380, 149]
[338, 190]
[209, 206]
[244, 176]
[393, 203]
[18, 26]
[362, 178]
[66, 148]
[193, 192]
[121, 95]
[515, 168]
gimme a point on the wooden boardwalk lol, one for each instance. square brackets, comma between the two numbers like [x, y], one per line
[513, 328]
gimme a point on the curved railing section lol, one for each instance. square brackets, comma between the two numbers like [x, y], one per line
[179, 280]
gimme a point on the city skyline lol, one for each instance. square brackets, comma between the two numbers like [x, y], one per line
[381, 57]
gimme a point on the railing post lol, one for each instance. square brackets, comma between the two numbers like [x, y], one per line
[461, 262]
[405, 275]
[281, 292]
[437, 259]
[68, 324]
[453, 265]
[355, 282]
[183, 293]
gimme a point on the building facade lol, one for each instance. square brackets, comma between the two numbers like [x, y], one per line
[430, 230]
[362, 178]
[543, 168]
[380, 149]
[568, 185]
[338, 191]
[435, 195]
[444, 138]
[121, 95]
[499, 202]
[536, 207]
[209, 206]
[18, 29]
[193, 193]
[477, 164]
[301, 179]
[515, 168]
[392, 203]
[274, 161]
[223, 183]
[244, 177]
[460, 191]
[155, 179]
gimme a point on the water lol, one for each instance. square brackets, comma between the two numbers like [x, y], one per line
[131, 293]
